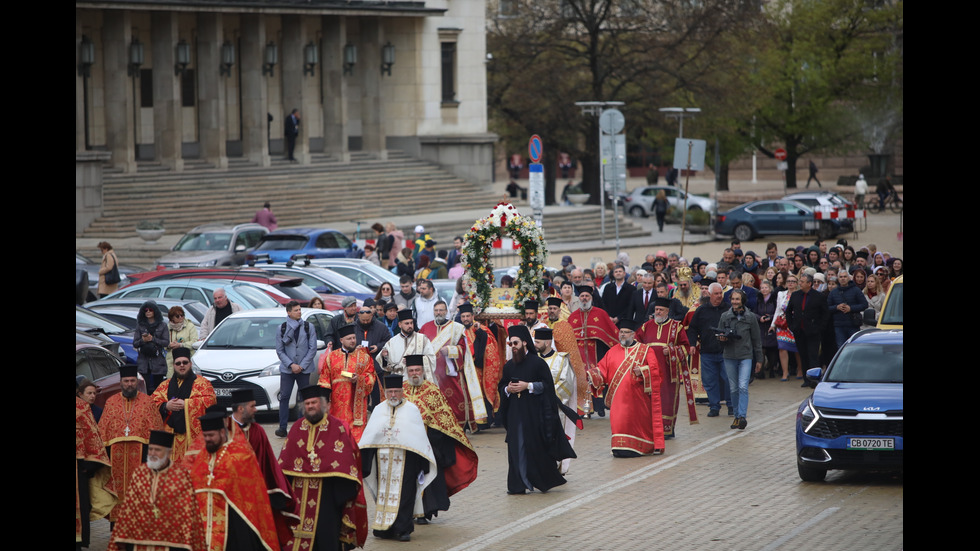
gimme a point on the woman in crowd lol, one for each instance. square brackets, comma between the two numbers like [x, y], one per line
[406, 265]
[151, 341]
[109, 261]
[894, 267]
[784, 337]
[847, 259]
[182, 333]
[371, 255]
[397, 240]
[316, 302]
[386, 293]
[859, 276]
[600, 273]
[88, 391]
[765, 309]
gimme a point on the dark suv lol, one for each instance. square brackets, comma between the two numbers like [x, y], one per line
[855, 418]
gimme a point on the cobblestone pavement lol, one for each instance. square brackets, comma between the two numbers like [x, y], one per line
[714, 489]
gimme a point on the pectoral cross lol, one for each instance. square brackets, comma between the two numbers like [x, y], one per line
[311, 455]
[210, 478]
[126, 432]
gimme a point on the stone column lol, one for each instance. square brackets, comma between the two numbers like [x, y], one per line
[80, 106]
[120, 127]
[294, 39]
[255, 94]
[335, 126]
[211, 89]
[167, 120]
[372, 104]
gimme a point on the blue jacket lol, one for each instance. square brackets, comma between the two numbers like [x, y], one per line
[850, 295]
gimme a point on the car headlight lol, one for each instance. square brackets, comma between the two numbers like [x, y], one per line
[271, 370]
[809, 416]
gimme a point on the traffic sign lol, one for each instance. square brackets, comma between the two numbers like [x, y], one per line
[534, 148]
[535, 196]
[780, 154]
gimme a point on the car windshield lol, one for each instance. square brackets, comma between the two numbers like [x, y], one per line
[246, 333]
[867, 363]
[205, 241]
[894, 313]
[282, 243]
[107, 326]
[256, 297]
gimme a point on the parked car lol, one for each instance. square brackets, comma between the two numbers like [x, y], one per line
[639, 203]
[362, 271]
[213, 245]
[241, 353]
[323, 281]
[282, 289]
[87, 319]
[281, 245]
[124, 310]
[776, 217]
[855, 417]
[814, 199]
[92, 269]
[102, 368]
[246, 295]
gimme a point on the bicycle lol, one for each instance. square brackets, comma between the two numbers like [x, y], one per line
[892, 201]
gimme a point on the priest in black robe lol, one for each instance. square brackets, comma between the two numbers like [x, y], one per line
[536, 441]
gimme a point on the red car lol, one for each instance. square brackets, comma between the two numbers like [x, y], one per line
[292, 288]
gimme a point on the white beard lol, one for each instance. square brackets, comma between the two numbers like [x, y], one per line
[660, 321]
[157, 464]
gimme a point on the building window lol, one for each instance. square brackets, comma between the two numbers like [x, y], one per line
[507, 8]
[187, 95]
[449, 72]
[146, 87]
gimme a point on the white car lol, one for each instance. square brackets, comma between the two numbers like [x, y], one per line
[639, 203]
[241, 353]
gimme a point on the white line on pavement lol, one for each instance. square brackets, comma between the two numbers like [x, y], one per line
[799, 529]
[634, 477]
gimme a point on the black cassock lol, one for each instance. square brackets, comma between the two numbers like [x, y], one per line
[435, 497]
[536, 440]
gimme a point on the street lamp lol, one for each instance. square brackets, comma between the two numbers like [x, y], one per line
[595, 109]
[311, 56]
[182, 55]
[86, 57]
[227, 58]
[680, 113]
[135, 57]
[271, 58]
[387, 58]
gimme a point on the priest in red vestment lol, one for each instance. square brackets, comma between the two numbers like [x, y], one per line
[456, 460]
[280, 494]
[448, 341]
[349, 373]
[668, 339]
[231, 493]
[595, 334]
[633, 373]
[125, 427]
[323, 464]
[160, 510]
[94, 495]
[181, 400]
[482, 367]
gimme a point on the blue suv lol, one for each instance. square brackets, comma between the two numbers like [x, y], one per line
[854, 418]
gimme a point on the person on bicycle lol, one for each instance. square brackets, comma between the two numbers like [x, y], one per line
[884, 190]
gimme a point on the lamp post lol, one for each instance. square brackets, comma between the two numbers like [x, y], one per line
[350, 58]
[182, 57]
[311, 56]
[595, 109]
[227, 58]
[680, 113]
[271, 59]
[387, 58]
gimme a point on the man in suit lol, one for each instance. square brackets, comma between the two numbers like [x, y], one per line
[641, 305]
[807, 314]
[292, 130]
[617, 295]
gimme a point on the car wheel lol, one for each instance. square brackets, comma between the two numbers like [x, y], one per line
[694, 207]
[826, 230]
[811, 474]
[637, 212]
[743, 232]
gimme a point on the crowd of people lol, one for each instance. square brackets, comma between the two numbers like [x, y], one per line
[407, 375]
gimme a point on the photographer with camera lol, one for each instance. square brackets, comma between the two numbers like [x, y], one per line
[741, 340]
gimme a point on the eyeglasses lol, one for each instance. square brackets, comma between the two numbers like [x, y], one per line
[365, 312]
[176, 316]
[514, 343]
[185, 362]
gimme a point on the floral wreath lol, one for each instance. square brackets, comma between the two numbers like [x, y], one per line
[478, 277]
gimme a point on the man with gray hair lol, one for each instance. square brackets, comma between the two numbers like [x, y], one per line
[701, 333]
[221, 309]
[846, 302]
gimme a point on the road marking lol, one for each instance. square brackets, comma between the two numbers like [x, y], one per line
[799, 529]
[552, 511]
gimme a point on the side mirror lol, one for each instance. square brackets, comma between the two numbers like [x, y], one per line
[813, 376]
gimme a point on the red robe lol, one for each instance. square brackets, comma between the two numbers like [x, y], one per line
[437, 416]
[453, 359]
[233, 483]
[635, 415]
[489, 373]
[349, 396]
[201, 398]
[125, 427]
[89, 447]
[669, 341]
[564, 341]
[275, 482]
[311, 454]
[590, 328]
[160, 509]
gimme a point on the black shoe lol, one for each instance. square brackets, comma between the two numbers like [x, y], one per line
[421, 520]
[742, 423]
[281, 433]
[734, 423]
[670, 434]
[713, 413]
[405, 537]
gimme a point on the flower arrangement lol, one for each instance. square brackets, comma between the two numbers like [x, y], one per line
[477, 243]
